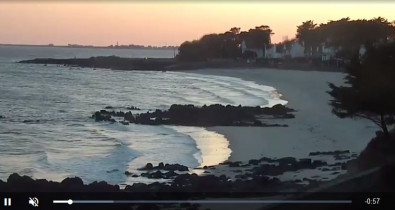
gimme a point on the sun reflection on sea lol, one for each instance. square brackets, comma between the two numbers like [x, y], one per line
[213, 147]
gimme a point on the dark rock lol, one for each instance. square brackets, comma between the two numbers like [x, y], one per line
[191, 115]
[166, 167]
[137, 187]
[305, 163]
[110, 62]
[21, 182]
[175, 167]
[318, 163]
[103, 115]
[109, 107]
[341, 157]
[103, 187]
[132, 108]
[148, 166]
[170, 174]
[31, 121]
[235, 164]
[269, 160]
[129, 117]
[344, 166]
[156, 175]
[124, 123]
[336, 152]
[161, 165]
[253, 162]
[287, 161]
[73, 181]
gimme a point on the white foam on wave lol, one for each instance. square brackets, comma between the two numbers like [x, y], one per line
[213, 147]
[234, 91]
[75, 145]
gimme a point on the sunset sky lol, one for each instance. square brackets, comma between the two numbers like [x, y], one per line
[169, 23]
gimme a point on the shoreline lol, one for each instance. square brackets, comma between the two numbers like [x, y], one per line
[308, 131]
[172, 64]
[314, 127]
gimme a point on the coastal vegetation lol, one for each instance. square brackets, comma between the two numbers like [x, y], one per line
[370, 88]
[344, 34]
[224, 45]
[328, 47]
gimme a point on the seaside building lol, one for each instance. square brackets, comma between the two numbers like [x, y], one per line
[297, 50]
[275, 51]
[362, 51]
[249, 46]
[327, 53]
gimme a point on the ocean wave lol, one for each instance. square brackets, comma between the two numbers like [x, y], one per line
[76, 145]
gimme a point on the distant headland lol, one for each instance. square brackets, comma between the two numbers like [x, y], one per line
[129, 46]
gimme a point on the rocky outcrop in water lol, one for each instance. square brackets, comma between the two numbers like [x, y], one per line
[109, 62]
[190, 115]
[336, 152]
[133, 108]
[166, 167]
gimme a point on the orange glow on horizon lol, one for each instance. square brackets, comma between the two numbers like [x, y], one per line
[168, 23]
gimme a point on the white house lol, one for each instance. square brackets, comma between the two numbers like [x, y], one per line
[362, 51]
[328, 53]
[265, 52]
[297, 50]
[273, 52]
[249, 46]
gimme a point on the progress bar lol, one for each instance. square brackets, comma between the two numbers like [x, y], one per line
[202, 201]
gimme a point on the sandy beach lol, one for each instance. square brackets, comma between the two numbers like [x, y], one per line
[314, 127]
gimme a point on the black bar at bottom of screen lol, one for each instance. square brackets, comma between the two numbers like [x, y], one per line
[195, 200]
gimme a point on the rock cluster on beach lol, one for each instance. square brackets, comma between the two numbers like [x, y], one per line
[190, 115]
[181, 183]
[246, 170]
[253, 176]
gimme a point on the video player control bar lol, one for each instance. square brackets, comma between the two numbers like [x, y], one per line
[70, 202]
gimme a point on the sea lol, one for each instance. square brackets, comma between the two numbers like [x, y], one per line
[46, 129]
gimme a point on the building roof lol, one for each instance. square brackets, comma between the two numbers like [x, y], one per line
[251, 44]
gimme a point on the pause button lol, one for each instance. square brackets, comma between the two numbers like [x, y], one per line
[7, 201]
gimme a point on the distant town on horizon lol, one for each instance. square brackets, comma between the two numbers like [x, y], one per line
[130, 46]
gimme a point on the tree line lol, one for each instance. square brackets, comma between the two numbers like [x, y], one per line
[370, 88]
[224, 45]
[345, 35]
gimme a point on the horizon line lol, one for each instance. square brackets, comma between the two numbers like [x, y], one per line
[93, 46]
